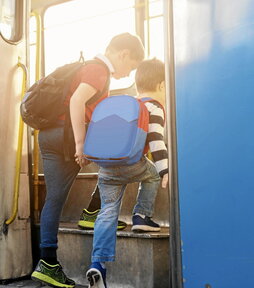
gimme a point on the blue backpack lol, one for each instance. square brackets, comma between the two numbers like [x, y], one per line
[117, 132]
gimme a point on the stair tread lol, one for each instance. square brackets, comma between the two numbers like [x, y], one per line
[72, 228]
[27, 283]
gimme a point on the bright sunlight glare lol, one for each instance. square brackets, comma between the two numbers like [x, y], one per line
[87, 26]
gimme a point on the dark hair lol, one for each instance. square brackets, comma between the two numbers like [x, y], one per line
[130, 42]
[149, 74]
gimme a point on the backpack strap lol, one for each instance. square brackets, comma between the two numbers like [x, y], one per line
[148, 99]
[67, 123]
[144, 100]
[66, 136]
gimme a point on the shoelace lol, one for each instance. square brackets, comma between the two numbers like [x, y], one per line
[59, 270]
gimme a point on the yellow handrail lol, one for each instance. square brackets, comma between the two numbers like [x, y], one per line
[36, 132]
[38, 45]
[19, 152]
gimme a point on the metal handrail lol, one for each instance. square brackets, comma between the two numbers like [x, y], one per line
[36, 132]
[175, 272]
[38, 44]
[19, 152]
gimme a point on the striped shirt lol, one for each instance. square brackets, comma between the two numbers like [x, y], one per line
[155, 137]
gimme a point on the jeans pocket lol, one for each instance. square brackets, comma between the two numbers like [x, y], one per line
[51, 140]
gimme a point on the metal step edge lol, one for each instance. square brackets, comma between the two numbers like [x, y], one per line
[124, 233]
[69, 228]
[93, 175]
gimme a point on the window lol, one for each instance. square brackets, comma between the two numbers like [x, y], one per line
[11, 17]
[156, 30]
[85, 26]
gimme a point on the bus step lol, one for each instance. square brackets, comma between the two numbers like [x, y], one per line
[142, 259]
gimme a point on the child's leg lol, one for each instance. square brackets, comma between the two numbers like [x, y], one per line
[95, 202]
[148, 189]
[59, 176]
[104, 240]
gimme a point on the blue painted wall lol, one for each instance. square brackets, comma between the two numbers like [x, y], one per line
[214, 55]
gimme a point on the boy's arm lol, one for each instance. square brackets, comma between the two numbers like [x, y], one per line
[156, 141]
[164, 181]
[77, 112]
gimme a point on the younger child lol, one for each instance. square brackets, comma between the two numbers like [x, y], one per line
[112, 181]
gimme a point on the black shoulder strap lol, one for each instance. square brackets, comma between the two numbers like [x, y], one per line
[67, 124]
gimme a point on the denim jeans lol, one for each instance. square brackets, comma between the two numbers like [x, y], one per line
[59, 177]
[112, 183]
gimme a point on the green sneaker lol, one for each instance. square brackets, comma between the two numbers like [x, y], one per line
[51, 275]
[87, 220]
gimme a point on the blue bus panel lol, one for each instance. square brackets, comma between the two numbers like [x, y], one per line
[214, 55]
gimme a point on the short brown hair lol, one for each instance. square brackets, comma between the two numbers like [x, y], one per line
[130, 42]
[149, 74]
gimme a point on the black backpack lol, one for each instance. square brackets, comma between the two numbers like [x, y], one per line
[44, 101]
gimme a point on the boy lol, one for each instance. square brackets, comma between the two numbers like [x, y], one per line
[123, 54]
[150, 77]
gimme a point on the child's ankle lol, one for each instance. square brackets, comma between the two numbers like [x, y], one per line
[141, 215]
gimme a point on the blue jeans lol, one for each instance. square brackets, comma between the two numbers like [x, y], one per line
[59, 177]
[112, 183]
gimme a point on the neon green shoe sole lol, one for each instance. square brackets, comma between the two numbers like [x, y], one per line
[85, 224]
[87, 220]
[37, 276]
[51, 275]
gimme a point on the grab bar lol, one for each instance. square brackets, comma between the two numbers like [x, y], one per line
[36, 132]
[19, 153]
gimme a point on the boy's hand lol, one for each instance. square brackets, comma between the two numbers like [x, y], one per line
[164, 181]
[81, 160]
[79, 156]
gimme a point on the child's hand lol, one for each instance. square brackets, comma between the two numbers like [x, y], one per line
[81, 160]
[164, 181]
[79, 156]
